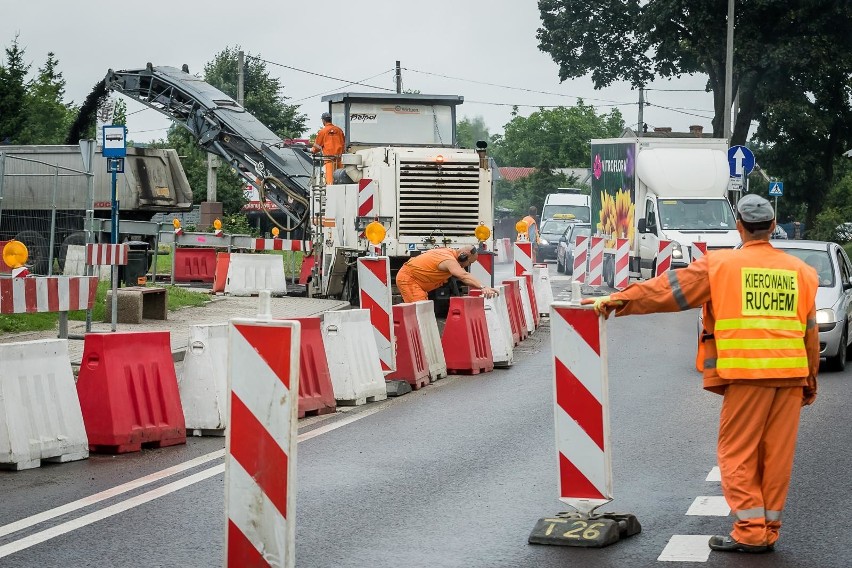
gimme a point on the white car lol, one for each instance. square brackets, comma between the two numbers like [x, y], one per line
[565, 248]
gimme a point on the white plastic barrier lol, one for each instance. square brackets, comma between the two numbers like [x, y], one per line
[248, 274]
[525, 300]
[542, 289]
[75, 263]
[40, 416]
[503, 248]
[203, 382]
[431, 339]
[353, 357]
[499, 329]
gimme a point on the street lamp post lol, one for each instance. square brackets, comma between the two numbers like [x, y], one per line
[729, 75]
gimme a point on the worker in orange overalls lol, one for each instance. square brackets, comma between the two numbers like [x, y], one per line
[761, 346]
[329, 141]
[431, 270]
[532, 230]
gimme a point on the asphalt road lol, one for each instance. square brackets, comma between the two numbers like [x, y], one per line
[454, 475]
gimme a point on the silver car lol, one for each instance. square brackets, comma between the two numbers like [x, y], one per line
[565, 249]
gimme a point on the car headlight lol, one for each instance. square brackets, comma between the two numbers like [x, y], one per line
[543, 242]
[677, 252]
[825, 316]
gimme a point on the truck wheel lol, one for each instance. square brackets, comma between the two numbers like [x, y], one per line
[76, 239]
[39, 256]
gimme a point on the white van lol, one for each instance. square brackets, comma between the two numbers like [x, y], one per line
[571, 202]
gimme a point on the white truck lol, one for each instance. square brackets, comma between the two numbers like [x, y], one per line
[653, 189]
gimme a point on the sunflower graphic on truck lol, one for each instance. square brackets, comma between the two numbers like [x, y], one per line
[612, 191]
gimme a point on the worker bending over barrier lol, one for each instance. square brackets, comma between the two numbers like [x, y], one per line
[433, 268]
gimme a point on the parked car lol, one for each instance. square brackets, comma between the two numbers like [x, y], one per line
[565, 248]
[551, 231]
[833, 299]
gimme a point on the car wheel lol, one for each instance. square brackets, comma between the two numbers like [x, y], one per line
[559, 266]
[837, 362]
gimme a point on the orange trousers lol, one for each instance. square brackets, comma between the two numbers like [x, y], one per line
[330, 166]
[408, 288]
[757, 440]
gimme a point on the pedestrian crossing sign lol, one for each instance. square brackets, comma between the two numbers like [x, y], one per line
[776, 189]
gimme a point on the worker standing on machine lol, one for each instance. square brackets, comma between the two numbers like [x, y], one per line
[330, 142]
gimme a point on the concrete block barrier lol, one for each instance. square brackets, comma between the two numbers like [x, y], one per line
[40, 417]
[431, 339]
[248, 274]
[353, 357]
[203, 381]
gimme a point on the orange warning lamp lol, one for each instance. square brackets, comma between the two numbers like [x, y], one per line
[375, 232]
[482, 232]
[15, 254]
[217, 224]
[176, 223]
[275, 232]
[521, 226]
[439, 158]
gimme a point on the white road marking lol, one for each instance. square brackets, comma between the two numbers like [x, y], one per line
[712, 506]
[715, 474]
[686, 548]
[339, 423]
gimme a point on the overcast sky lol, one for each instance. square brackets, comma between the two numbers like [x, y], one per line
[445, 47]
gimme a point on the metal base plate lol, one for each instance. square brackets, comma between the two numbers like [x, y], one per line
[574, 529]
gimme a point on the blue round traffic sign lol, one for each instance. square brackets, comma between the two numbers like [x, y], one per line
[740, 160]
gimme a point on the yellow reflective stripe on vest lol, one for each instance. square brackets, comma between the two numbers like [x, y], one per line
[795, 343]
[759, 323]
[762, 363]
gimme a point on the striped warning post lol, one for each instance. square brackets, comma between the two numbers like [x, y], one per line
[367, 198]
[664, 257]
[47, 294]
[375, 295]
[581, 254]
[282, 244]
[697, 250]
[622, 263]
[106, 255]
[523, 257]
[581, 407]
[260, 464]
[596, 254]
[483, 268]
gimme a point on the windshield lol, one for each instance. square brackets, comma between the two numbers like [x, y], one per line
[696, 214]
[580, 212]
[579, 231]
[555, 226]
[819, 260]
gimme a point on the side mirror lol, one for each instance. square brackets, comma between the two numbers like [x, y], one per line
[642, 225]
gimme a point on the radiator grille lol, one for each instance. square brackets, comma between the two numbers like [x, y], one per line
[440, 198]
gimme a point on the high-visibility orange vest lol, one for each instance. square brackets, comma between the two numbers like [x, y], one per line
[761, 298]
[423, 268]
[530, 221]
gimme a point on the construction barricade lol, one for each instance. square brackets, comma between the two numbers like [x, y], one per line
[194, 264]
[523, 254]
[467, 348]
[526, 305]
[129, 393]
[622, 263]
[663, 261]
[260, 460]
[40, 417]
[308, 263]
[316, 393]
[542, 288]
[47, 294]
[353, 357]
[596, 254]
[483, 268]
[516, 310]
[581, 255]
[697, 250]
[533, 302]
[411, 364]
[220, 276]
[203, 380]
[499, 328]
[248, 274]
[503, 250]
[428, 324]
[581, 414]
[374, 283]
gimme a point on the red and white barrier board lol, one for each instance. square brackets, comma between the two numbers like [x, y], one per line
[622, 263]
[281, 244]
[596, 254]
[581, 254]
[260, 463]
[523, 257]
[697, 250]
[106, 255]
[581, 406]
[367, 198]
[483, 268]
[47, 294]
[664, 257]
[375, 294]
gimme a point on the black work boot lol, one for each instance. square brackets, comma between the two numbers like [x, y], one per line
[728, 544]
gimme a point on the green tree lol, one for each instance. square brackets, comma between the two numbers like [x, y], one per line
[471, 130]
[119, 113]
[13, 93]
[47, 116]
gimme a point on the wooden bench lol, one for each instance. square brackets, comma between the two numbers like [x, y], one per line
[136, 303]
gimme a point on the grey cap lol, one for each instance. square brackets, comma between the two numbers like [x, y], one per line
[325, 116]
[753, 208]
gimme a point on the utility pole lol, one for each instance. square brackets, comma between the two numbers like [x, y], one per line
[729, 72]
[398, 78]
[641, 109]
[241, 65]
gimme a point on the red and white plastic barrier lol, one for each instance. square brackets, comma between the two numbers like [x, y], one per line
[664, 257]
[106, 255]
[523, 257]
[581, 407]
[483, 268]
[260, 462]
[375, 295]
[47, 294]
[281, 244]
[503, 248]
[622, 263]
[581, 254]
[596, 254]
[697, 250]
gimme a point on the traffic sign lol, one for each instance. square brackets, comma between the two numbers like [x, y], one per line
[740, 160]
[735, 183]
[115, 141]
[776, 189]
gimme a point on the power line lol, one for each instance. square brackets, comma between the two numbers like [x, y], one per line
[318, 74]
[361, 82]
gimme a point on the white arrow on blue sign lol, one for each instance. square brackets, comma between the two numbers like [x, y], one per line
[776, 189]
[740, 160]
